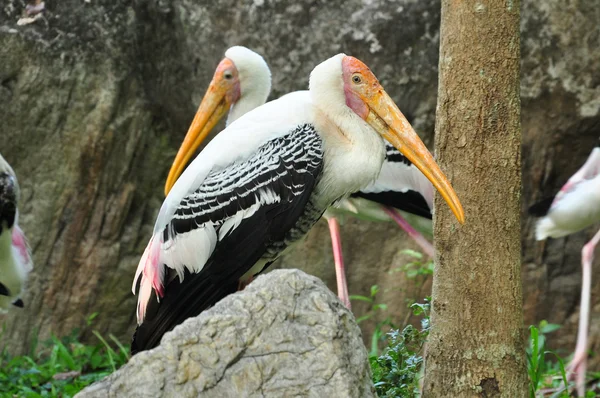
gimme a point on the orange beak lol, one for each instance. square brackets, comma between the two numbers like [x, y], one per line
[385, 117]
[214, 105]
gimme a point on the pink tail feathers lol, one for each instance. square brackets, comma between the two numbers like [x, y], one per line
[151, 271]
[20, 243]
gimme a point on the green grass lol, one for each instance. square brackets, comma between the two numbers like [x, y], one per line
[60, 368]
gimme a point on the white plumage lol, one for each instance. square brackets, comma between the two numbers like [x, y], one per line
[577, 205]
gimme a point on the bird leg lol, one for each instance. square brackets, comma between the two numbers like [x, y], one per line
[578, 365]
[243, 283]
[425, 245]
[338, 259]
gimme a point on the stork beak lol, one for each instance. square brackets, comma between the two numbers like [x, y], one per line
[385, 117]
[214, 105]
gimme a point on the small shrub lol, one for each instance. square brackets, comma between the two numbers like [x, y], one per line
[396, 372]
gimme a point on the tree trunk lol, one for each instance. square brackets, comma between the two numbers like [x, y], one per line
[476, 346]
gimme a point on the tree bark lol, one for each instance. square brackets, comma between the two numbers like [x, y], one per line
[476, 346]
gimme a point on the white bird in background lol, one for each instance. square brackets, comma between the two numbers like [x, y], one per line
[575, 207]
[15, 257]
[262, 183]
[241, 83]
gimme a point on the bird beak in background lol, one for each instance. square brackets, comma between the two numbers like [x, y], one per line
[385, 117]
[214, 105]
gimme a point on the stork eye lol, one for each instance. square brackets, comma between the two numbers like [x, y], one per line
[228, 75]
[356, 79]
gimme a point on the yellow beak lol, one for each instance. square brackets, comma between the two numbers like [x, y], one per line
[212, 108]
[385, 117]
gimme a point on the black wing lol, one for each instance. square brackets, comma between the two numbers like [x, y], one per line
[288, 168]
[8, 200]
[411, 202]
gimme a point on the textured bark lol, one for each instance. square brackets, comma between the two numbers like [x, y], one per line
[476, 346]
[96, 97]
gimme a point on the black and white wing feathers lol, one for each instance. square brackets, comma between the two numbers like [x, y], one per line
[242, 215]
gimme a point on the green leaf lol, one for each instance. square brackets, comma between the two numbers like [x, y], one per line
[361, 298]
[374, 290]
[124, 351]
[363, 318]
[412, 253]
[561, 365]
[548, 327]
[109, 351]
[90, 318]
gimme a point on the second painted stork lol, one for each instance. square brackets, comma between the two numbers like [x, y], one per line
[15, 257]
[575, 207]
[262, 183]
[242, 82]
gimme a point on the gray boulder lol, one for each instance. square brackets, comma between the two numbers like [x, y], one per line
[286, 335]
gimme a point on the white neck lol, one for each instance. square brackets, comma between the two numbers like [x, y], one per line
[254, 78]
[246, 103]
[354, 152]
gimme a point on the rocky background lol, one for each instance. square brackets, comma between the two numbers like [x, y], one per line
[96, 95]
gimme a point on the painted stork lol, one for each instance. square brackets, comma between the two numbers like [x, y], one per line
[15, 257]
[262, 183]
[575, 207]
[241, 83]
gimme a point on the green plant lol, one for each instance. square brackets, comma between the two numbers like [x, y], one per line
[396, 371]
[542, 371]
[379, 334]
[418, 267]
[61, 368]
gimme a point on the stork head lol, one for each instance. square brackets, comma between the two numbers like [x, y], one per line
[348, 86]
[242, 82]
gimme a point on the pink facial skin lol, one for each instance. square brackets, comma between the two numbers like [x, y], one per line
[353, 101]
[234, 95]
[231, 85]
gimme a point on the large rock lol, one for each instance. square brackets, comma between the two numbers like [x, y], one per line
[286, 335]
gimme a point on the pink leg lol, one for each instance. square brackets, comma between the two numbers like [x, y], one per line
[413, 233]
[242, 284]
[338, 259]
[578, 365]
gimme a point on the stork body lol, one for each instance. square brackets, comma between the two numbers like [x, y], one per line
[401, 191]
[262, 183]
[242, 83]
[15, 258]
[575, 207]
